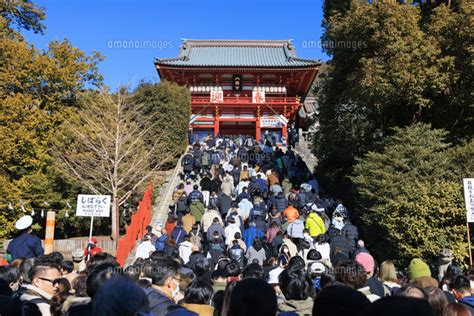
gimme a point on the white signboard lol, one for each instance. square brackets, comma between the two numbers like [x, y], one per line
[93, 205]
[217, 96]
[469, 198]
[258, 96]
[270, 122]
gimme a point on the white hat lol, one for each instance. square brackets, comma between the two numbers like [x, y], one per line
[24, 222]
[317, 267]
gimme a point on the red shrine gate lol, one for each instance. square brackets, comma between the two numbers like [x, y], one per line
[239, 86]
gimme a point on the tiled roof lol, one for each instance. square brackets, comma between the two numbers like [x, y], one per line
[240, 53]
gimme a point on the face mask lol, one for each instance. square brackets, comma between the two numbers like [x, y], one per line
[285, 250]
[176, 291]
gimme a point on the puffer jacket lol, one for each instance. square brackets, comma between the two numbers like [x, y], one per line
[351, 233]
[295, 229]
[280, 202]
[315, 225]
[238, 254]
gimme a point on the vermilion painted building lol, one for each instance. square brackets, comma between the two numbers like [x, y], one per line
[243, 87]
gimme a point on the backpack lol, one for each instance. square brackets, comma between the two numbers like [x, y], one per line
[215, 158]
[187, 160]
[181, 204]
[197, 210]
[205, 158]
[195, 239]
[301, 199]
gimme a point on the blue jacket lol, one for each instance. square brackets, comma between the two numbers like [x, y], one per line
[250, 234]
[159, 303]
[160, 243]
[178, 234]
[25, 246]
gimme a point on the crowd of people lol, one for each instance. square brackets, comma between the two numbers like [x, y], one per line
[249, 232]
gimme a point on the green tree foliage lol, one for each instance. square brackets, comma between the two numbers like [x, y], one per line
[22, 14]
[115, 148]
[168, 106]
[409, 197]
[391, 66]
[38, 90]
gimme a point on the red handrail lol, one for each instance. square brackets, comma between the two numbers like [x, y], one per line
[137, 227]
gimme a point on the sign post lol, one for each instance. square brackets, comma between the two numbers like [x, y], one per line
[93, 206]
[469, 199]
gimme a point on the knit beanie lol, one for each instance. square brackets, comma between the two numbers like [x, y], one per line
[366, 261]
[418, 268]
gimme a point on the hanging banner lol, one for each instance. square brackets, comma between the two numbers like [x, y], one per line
[258, 96]
[217, 96]
[469, 198]
[93, 205]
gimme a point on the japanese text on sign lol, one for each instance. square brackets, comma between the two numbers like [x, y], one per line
[270, 122]
[217, 96]
[469, 198]
[258, 97]
[93, 205]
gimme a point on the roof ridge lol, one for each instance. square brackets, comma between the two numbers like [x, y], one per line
[236, 43]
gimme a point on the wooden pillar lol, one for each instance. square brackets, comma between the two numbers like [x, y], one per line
[216, 122]
[284, 132]
[49, 236]
[257, 125]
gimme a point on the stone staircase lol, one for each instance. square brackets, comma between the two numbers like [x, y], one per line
[161, 204]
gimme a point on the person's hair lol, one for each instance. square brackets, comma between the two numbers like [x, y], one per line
[411, 290]
[98, 276]
[253, 270]
[160, 270]
[201, 266]
[156, 255]
[327, 278]
[218, 274]
[56, 257]
[64, 287]
[218, 302]
[295, 284]
[399, 305]
[297, 261]
[67, 266]
[132, 272]
[232, 269]
[79, 284]
[222, 262]
[198, 292]
[100, 259]
[456, 309]
[340, 300]
[25, 268]
[313, 254]
[461, 284]
[387, 272]
[247, 298]
[351, 273]
[10, 274]
[437, 299]
[41, 268]
[120, 296]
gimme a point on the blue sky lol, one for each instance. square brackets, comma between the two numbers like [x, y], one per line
[154, 28]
